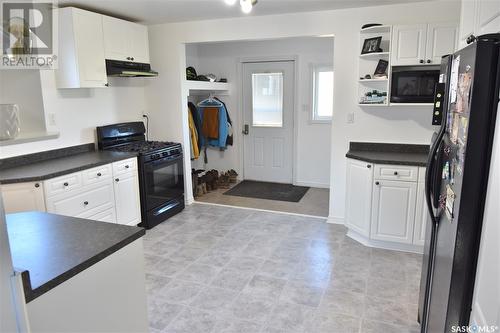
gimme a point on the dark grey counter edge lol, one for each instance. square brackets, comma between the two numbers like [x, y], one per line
[31, 294]
[118, 157]
[383, 161]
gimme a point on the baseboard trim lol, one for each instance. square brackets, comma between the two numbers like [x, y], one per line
[260, 210]
[312, 184]
[384, 245]
[336, 220]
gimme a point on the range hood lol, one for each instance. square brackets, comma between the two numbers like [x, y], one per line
[128, 69]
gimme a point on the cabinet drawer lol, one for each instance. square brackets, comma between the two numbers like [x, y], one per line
[396, 172]
[96, 175]
[91, 201]
[63, 184]
[105, 216]
[125, 166]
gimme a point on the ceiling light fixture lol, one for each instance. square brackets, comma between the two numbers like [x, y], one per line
[246, 5]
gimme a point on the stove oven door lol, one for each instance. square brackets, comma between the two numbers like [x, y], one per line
[163, 189]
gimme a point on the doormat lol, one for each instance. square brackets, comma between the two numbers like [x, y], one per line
[269, 191]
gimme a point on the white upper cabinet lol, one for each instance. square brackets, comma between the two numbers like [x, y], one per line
[422, 44]
[393, 213]
[467, 21]
[126, 41]
[359, 196]
[441, 40]
[488, 17]
[478, 17]
[81, 50]
[408, 44]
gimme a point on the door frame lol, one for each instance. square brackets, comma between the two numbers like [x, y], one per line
[239, 131]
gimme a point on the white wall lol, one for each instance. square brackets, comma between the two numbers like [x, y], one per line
[79, 111]
[407, 125]
[486, 301]
[222, 59]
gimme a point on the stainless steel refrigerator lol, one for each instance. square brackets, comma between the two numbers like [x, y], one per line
[466, 102]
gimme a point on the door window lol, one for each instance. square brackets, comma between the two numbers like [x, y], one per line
[267, 99]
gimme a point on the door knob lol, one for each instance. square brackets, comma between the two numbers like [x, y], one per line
[37, 185]
[429, 61]
[128, 58]
[395, 173]
[127, 166]
[132, 58]
[421, 61]
[117, 180]
[85, 203]
[65, 184]
[245, 129]
[99, 174]
[368, 166]
[377, 183]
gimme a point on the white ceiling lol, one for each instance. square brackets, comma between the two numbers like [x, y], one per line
[163, 11]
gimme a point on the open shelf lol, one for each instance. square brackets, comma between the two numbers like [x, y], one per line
[373, 80]
[384, 104]
[411, 104]
[206, 86]
[374, 55]
[377, 29]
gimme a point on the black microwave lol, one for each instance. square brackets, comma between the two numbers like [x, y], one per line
[413, 86]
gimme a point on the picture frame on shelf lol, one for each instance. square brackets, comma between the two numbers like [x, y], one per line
[371, 45]
[381, 69]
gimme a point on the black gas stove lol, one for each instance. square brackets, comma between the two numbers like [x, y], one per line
[161, 171]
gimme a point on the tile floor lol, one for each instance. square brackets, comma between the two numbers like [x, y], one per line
[219, 269]
[315, 202]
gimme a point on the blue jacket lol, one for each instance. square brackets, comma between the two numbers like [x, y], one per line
[223, 124]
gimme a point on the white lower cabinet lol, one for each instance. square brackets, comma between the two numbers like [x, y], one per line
[108, 193]
[421, 216]
[393, 211]
[82, 204]
[126, 188]
[385, 205]
[23, 197]
[359, 196]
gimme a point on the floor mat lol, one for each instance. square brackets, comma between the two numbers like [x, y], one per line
[269, 191]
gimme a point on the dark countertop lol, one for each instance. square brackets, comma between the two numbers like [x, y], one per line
[54, 167]
[49, 249]
[387, 153]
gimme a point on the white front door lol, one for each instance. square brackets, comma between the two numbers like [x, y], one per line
[268, 94]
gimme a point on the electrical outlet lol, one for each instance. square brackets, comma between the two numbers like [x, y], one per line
[350, 118]
[52, 119]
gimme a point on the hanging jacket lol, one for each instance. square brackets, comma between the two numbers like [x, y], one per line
[195, 151]
[230, 137]
[222, 124]
[210, 123]
[197, 122]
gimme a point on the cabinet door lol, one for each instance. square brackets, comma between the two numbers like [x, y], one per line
[127, 200]
[90, 48]
[441, 40]
[467, 20]
[488, 17]
[393, 212]
[116, 38]
[359, 196]
[408, 44]
[23, 197]
[421, 216]
[138, 43]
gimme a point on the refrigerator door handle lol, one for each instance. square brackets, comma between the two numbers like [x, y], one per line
[429, 172]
